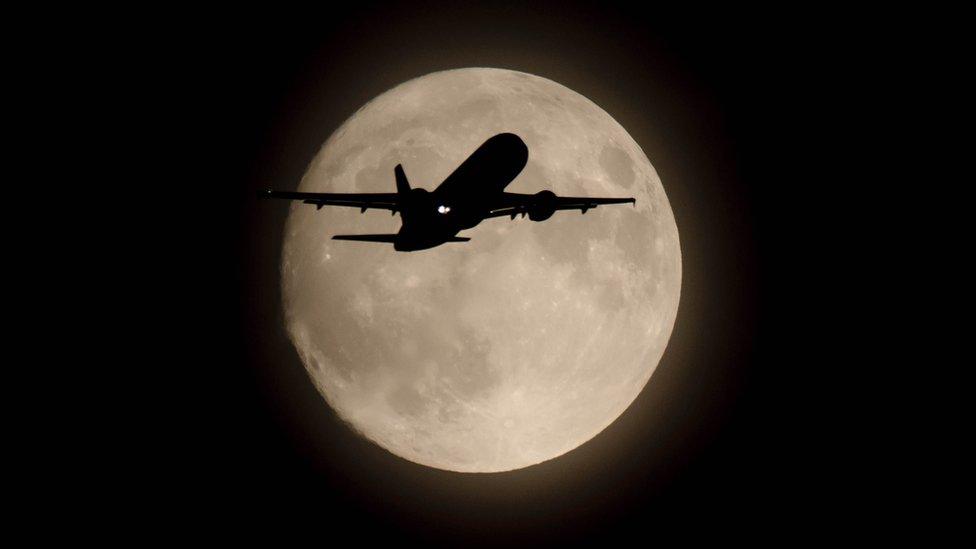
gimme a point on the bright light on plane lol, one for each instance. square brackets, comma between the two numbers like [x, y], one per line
[443, 209]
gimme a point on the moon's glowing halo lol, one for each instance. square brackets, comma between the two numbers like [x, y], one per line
[513, 348]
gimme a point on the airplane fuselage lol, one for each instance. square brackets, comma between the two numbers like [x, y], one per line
[465, 198]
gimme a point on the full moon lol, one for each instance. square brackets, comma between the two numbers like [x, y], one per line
[513, 348]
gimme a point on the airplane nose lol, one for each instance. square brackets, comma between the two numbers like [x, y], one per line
[508, 139]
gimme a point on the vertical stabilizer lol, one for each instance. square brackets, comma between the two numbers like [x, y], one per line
[403, 186]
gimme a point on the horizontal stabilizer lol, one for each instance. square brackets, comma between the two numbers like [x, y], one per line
[366, 237]
[386, 238]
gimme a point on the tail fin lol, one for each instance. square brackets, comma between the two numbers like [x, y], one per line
[403, 186]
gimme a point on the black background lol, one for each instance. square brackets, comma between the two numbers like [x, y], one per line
[216, 426]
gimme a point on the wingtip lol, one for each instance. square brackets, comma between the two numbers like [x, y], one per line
[265, 193]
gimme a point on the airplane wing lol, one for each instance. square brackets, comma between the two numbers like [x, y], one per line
[363, 201]
[544, 203]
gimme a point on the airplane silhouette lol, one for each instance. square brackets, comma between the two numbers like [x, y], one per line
[473, 193]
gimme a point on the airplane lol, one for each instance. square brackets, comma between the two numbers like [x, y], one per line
[475, 191]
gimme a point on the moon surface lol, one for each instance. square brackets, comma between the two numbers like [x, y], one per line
[513, 348]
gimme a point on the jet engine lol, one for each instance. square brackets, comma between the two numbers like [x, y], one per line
[420, 199]
[543, 205]
[417, 200]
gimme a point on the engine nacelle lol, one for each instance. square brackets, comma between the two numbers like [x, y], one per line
[543, 206]
[417, 200]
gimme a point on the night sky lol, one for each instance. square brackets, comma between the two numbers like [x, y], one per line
[229, 433]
